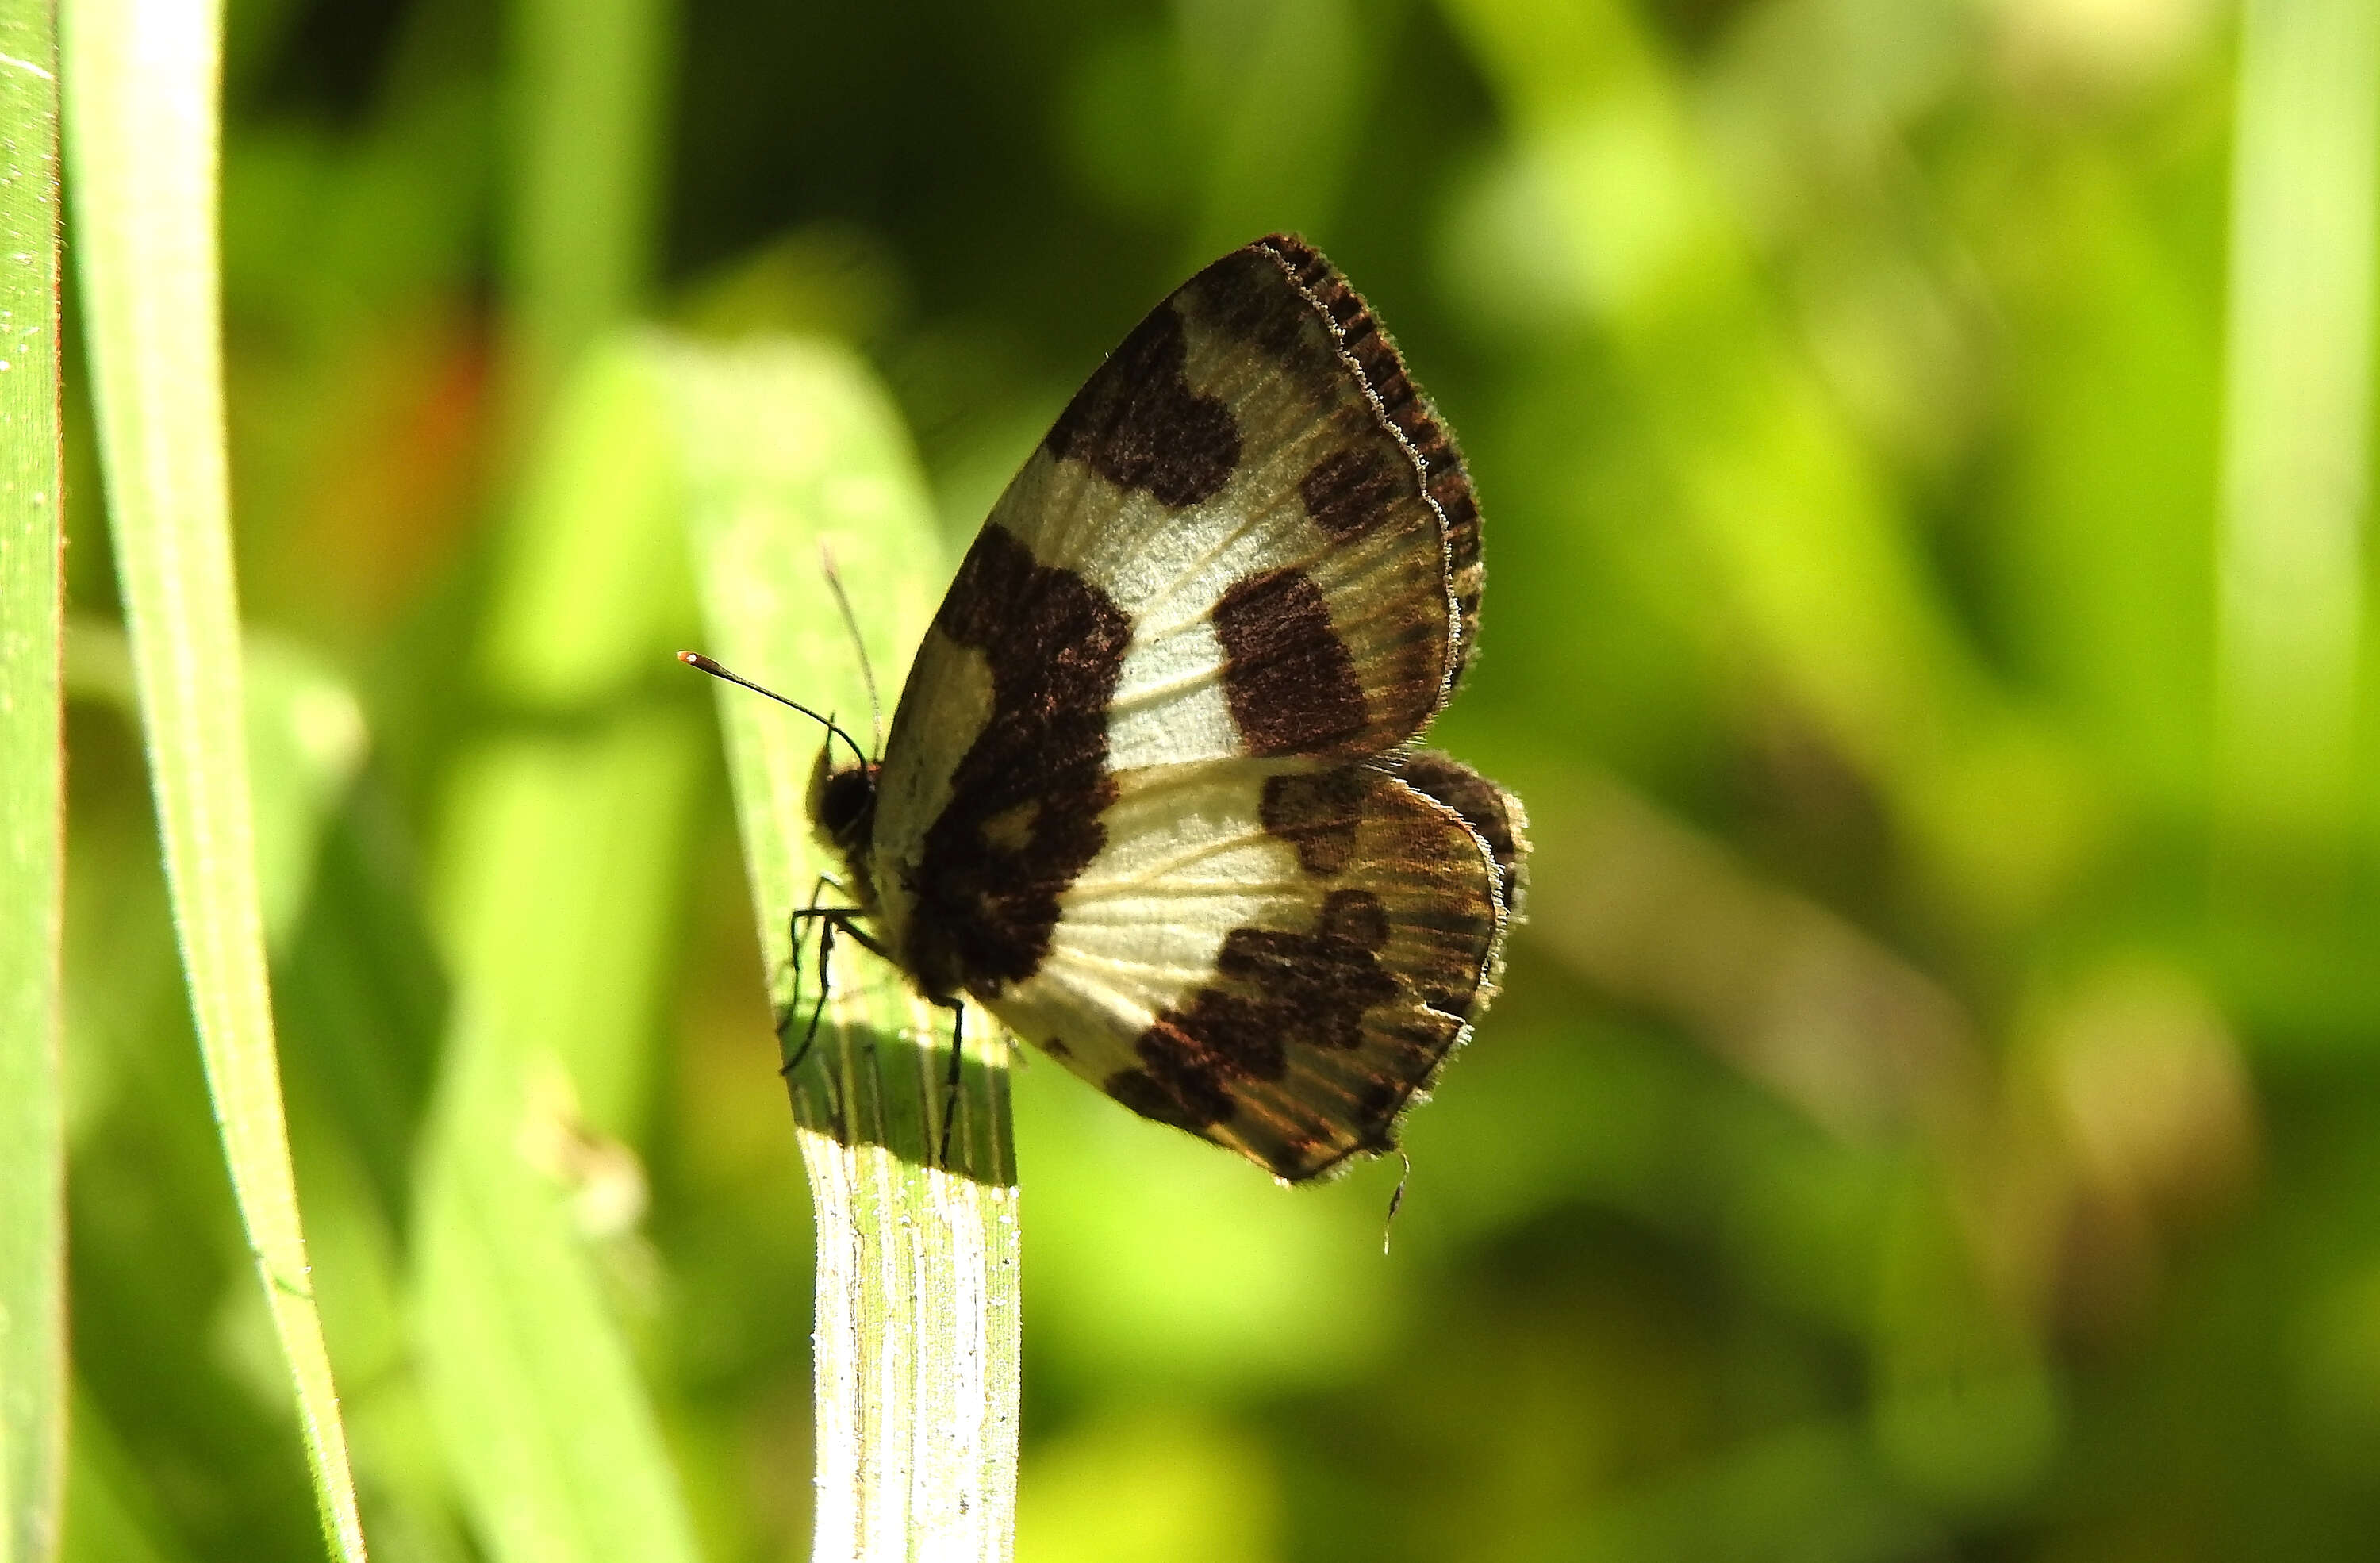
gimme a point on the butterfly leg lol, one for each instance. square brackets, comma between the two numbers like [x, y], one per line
[812, 913]
[793, 951]
[829, 919]
[842, 919]
[817, 1009]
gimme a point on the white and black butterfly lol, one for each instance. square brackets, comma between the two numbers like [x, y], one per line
[1150, 793]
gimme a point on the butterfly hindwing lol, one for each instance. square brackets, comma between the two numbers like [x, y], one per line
[1141, 794]
[1276, 960]
[1494, 815]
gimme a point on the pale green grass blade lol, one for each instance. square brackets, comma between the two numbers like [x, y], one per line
[586, 98]
[555, 860]
[2297, 437]
[554, 898]
[141, 139]
[791, 449]
[32, 840]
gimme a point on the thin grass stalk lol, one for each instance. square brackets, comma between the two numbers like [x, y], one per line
[586, 89]
[32, 834]
[2296, 436]
[141, 137]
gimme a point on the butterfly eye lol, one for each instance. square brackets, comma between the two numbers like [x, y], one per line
[843, 805]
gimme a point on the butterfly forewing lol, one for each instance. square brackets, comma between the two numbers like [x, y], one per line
[1231, 480]
[1139, 793]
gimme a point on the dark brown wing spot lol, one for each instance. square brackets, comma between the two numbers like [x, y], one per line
[1137, 423]
[1295, 1158]
[1406, 409]
[1348, 492]
[1026, 799]
[1240, 298]
[1488, 809]
[1288, 678]
[1185, 1097]
[1278, 991]
[1317, 812]
[1377, 1106]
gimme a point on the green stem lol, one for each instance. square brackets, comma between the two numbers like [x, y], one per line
[586, 99]
[141, 139]
[2296, 443]
[32, 837]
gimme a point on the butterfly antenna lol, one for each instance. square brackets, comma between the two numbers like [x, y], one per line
[851, 622]
[696, 660]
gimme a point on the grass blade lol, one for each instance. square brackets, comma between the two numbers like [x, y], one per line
[32, 843]
[2296, 437]
[790, 450]
[554, 900]
[588, 89]
[141, 147]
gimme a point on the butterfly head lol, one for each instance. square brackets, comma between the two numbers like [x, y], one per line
[842, 797]
[842, 801]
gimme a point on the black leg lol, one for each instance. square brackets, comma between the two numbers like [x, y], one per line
[829, 919]
[838, 920]
[867, 942]
[794, 922]
[818, 1010]
[794, 930]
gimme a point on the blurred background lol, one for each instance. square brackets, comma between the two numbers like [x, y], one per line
[1934, 1109]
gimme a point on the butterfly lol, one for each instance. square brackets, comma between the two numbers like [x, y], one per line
[1149, 795]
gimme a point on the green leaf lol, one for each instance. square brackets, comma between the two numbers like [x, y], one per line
[32, 1261]
[792, 453]
[141, 150]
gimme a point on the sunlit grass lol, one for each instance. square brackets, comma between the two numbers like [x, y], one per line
[2297, 442]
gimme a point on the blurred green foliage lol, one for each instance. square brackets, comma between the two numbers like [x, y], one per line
[1935, 1108]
